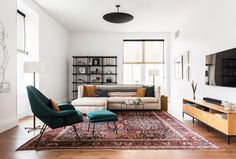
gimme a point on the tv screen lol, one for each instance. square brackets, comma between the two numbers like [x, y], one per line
[221, 68]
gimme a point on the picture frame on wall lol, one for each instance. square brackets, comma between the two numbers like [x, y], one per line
[187, 73]
[186, 57]
[179, 67]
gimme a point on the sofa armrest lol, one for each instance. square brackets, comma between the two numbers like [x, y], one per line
[80, 91]
[157, 92]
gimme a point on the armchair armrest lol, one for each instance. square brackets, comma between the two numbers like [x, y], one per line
[64, 113]
[157, 92]
[66, 106]
[80, 91]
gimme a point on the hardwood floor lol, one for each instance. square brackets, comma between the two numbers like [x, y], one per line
[12, 139]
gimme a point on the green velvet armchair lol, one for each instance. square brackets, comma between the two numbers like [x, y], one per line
[68, 116]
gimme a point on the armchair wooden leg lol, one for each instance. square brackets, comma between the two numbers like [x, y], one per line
[88, 125]
[93, 128]
[41, 134]
[74, 127]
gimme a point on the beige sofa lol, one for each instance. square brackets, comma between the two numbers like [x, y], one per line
[87, 104]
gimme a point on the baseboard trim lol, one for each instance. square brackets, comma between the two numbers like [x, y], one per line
[8, 123]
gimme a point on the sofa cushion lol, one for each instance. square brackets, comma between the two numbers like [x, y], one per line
[120, 99]
[123, 99]
[121, 94]
[89, 91]
[140, 92]
[120, 87]
[101, 93]
[88, 101]
[102, 115]
[149, 91]
[150, 99]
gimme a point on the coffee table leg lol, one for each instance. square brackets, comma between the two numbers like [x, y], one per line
[115, 127]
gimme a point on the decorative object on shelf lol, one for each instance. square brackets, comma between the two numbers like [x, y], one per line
[82, 70]
[108, 61]
[194, 89]
[109, 79]
[5, 86]
[153, 73]
[33, 67]
[96, 61]
[228, 106]
[98, 78]
[179, 67]
[97, 71]
[118, 17]
[81, 63]
[80, 80]
[108, 71]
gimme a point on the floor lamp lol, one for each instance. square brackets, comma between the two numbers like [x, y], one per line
[33, 67]
[153, 73]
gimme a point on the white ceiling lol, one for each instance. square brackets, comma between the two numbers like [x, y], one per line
[149, 15]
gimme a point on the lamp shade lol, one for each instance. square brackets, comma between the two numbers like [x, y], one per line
[153, 72]
[31, 67]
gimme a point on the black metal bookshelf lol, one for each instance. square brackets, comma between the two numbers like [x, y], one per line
[95, 70]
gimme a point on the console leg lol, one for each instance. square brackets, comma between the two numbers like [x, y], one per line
[193, 120]
[207, 127]
[228, 138]
[183, 115]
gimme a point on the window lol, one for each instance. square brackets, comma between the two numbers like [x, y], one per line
[141, 56]
[21, 53]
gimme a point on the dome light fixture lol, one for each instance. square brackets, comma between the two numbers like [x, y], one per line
[118, 17]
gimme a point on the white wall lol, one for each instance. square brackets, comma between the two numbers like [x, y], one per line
[8, 100]
[108, 44]
[209, 29]
[53, 50]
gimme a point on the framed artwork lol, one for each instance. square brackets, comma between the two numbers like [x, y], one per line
[96, 61]
[179, 67]
[186, 57]
[186, 72]
[82, 70]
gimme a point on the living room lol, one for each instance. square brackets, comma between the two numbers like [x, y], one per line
[74, 53]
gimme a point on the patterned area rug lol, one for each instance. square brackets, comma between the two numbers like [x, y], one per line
[136, 130]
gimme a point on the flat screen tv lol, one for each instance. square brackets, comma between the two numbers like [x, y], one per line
[221, 68]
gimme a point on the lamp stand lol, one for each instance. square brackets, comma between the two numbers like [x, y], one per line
[30, 129]
[153, 80]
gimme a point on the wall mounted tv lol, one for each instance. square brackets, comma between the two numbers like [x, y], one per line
[220, 68]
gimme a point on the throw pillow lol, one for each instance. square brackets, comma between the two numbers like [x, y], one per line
[140, 92]
[149, 91]
[89, 91]
[101, 93]
[55, 105]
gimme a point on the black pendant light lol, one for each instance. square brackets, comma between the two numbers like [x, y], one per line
[118, 17]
